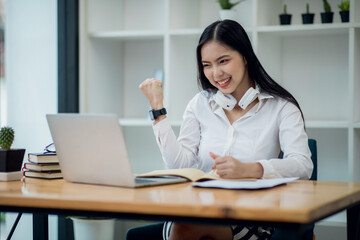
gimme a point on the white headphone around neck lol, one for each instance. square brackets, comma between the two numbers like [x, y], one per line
[228, 102]
[250, 95]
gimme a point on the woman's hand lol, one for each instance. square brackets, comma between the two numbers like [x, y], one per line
[229, 167]
[152, 89]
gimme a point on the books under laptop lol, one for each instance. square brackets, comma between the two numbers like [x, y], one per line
[91, 149]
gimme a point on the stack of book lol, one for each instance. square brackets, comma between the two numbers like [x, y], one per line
[42, 165]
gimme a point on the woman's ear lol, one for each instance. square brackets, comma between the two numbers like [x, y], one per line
[245, 60]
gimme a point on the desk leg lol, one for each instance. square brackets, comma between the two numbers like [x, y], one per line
[353, 223]
[65, 228]
[40, 226]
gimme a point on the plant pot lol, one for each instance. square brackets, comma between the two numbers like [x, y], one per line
[10, 164]
[228, 14]
[285, 19]
[93, 229]
[344, 16]
[327, 17]
[308, 18]
[11, 160]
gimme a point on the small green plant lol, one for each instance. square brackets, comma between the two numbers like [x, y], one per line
[7, 135]
[285, 9]
[226, 4]
[327, 7]
[344, 5]
[307, 8]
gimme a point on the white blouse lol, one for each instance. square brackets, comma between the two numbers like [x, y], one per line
[272, 124]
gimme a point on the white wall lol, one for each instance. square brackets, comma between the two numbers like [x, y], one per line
[31, 81]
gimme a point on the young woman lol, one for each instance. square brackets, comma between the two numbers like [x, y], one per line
[237, 125]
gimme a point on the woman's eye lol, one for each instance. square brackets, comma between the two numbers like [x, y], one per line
[206, 65]
[224, 60]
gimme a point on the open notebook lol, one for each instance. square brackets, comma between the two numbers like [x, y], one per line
[91, 149]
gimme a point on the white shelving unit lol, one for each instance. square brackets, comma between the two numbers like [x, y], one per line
[123, 42]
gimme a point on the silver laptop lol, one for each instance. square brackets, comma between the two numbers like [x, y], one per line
[91, 149]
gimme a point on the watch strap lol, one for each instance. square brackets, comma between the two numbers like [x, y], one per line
[156, 113]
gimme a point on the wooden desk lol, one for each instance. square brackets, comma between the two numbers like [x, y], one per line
[292, 206]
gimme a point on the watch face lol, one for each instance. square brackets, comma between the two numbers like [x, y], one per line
[151, 113]
[155, 113]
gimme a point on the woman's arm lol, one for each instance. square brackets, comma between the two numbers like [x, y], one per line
[294, 144]
[176, 153]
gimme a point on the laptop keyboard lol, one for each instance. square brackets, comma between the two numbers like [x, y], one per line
[143, 180]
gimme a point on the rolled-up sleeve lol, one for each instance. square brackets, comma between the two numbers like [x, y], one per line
[181, 152]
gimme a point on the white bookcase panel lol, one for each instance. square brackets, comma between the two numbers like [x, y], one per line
[310, 82]
[182, 85]
[327, 124]
[192, 13]
[322, 76]
[142, 59]
[332, 147]
[115, 15]
[124, 41]
[115, 70]
[354, 160]
[355, 72]
[104, 69]
[355, 8]
[200, 13]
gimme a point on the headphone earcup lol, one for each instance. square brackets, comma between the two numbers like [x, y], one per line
[225, 101]
[249, 96]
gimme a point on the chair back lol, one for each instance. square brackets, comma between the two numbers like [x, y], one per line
[313, 150]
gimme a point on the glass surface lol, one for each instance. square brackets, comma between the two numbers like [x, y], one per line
[2, 82]
[2, 61]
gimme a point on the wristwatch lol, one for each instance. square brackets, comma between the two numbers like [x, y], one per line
[156, 113]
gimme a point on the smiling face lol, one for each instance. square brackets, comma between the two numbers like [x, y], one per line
[225, 68]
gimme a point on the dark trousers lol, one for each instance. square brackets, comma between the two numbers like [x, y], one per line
[148, 232]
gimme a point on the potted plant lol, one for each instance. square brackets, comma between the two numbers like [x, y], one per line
[10, 159]
[344, 6]
[87, 228]
[227, 11]
[308, 18]
[285, 18]
[327, 16]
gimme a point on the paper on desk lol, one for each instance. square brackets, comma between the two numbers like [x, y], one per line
[258, 184]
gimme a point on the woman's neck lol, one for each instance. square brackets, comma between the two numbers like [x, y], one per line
[242, 88]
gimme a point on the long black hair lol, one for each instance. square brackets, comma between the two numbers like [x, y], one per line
[232, 34]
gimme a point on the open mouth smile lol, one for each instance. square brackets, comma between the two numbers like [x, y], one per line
[225, 82]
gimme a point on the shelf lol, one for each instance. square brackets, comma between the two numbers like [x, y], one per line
[135, 122]
[184, 32]
[141, 122]
[356, 125]
[337, 220]
[128, 35]
[326, 124]
[177, 123]
[313, 29]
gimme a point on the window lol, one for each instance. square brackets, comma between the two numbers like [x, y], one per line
[2, 64]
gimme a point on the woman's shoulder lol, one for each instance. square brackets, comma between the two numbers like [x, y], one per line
[286, 107]
[280, 104]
